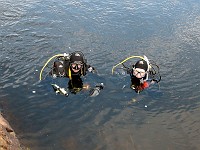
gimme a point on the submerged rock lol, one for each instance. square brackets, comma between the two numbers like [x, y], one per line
[8, 139]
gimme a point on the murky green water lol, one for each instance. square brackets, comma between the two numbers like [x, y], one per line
[106, 32]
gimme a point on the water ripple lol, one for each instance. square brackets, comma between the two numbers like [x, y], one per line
[106, 32]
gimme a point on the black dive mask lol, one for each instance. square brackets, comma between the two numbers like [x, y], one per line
[76, 66]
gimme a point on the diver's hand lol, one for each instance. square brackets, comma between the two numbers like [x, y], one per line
[54, 76]
[133, 87]
[91, 69]
[137, 89]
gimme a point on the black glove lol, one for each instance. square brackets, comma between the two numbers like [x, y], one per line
[91, 69]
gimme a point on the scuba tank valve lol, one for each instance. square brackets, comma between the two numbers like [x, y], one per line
[66, 56]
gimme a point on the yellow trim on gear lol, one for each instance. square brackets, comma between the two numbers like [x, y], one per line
[125, 61]
[70, 74]
[47, 63]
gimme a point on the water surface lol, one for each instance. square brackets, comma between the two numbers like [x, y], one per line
[106, 32]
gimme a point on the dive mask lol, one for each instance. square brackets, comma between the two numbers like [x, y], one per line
[76, 65]
[139, 73]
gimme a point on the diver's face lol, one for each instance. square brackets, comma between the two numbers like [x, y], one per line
[139, 73]
[76, 67]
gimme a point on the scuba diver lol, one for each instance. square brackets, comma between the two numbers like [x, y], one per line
[139, 76]
[140, 72]
[72, 66]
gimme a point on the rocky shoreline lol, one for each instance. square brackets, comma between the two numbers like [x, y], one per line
[8, 139]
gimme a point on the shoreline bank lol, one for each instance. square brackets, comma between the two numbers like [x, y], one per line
[8, 139]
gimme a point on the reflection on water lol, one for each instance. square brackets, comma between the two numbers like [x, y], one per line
[106, 32]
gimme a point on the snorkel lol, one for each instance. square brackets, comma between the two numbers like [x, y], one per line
[148, 67]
